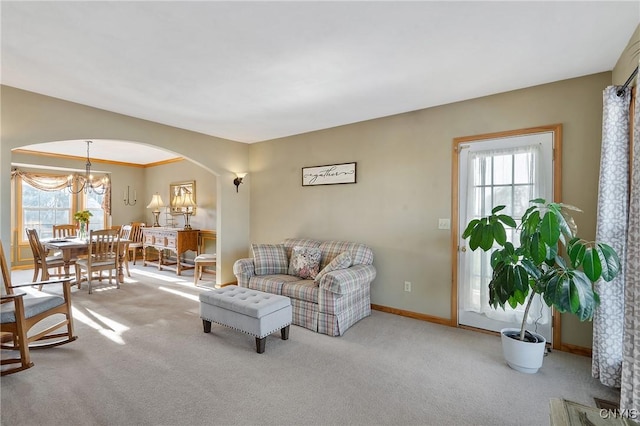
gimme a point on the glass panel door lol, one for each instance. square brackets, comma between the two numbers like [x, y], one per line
[506, 171]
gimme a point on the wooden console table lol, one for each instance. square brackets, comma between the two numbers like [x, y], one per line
[175, 240]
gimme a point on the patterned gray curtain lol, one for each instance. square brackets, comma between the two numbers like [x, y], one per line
[611, 228]
[630, 387]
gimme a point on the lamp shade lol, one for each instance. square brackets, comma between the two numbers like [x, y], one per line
[156, 202]
[186, 200]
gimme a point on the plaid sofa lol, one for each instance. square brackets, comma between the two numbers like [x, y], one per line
[332, 304]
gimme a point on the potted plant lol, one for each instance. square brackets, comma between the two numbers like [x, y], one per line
[82, 217]
[536, 266]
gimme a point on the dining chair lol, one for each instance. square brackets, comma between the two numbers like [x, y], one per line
[202, 260]
[20, 312]
[63, 231]
[41, 262]
[103, 252]
[125, 234]
[136, 238]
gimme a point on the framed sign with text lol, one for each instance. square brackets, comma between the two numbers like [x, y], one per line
[329, 175]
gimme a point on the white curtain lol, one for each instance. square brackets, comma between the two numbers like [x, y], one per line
[630, 386]
[611, 228]
[511, 177]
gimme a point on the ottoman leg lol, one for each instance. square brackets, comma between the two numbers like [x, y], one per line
[260, 344]
[284, 333]
[207, 326]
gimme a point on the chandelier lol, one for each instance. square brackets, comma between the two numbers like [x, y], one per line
[77, 183]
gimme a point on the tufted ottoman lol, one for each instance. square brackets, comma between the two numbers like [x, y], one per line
[253, 312]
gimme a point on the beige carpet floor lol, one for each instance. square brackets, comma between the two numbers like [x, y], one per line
[142, 359]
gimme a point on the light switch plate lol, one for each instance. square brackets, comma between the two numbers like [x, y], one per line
[444, 223]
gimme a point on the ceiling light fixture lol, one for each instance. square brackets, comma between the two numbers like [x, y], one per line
[78, 183]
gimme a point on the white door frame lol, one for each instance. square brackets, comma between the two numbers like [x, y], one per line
[556, 129]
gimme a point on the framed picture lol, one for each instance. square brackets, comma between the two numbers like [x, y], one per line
[329, 175]
[181, 193]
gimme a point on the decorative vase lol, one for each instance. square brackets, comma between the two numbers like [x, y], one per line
[525, 357]
[82, 233]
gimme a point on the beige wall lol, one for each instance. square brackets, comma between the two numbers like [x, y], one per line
[628, 61]
[159, 178]
[29, 118]
[404, 184]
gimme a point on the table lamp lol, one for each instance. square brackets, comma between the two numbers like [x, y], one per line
[186, 203]
[156, 203]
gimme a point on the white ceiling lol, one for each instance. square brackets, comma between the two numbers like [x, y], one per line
[253, 71]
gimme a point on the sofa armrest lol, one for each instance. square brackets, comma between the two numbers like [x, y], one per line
[345, 281]
[244, 269]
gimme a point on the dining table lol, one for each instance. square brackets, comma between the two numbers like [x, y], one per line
[71, 248]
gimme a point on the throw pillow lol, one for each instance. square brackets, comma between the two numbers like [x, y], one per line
[341, 261]
[305, 262]
[269, 259]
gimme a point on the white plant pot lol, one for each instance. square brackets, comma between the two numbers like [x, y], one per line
[525, 357]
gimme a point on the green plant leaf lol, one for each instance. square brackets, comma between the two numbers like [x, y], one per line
[520, 280]
[519, 297]
[469, 229]
[583, 302]
[500, 285]
[509, 284]
[571, 291]
[567, 225]
[538, 201]
[487, 237]
[496, 257]
[576, 251]
[513, 302]
[550, 228]
[527, 213]
[476, 235]
[509, 249]
[557, 292]
[531, 224]
[591, 265]
[609, 260]
[507, 220]
[531, 269]
[496, 209]
[552, 253]
[537, 249]
[499, 233]
[560, 263]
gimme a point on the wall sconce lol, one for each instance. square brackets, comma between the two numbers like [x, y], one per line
[156, 203]
[238, 180]
[127, 200]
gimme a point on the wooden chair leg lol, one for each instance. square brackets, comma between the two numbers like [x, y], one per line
[126, 263]
[78, 277]
[195, 274]
[20, 342]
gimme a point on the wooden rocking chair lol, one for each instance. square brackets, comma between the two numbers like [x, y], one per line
[20, 312]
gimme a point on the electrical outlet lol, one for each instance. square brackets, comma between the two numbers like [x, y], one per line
[444, 223]
[407, 286]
